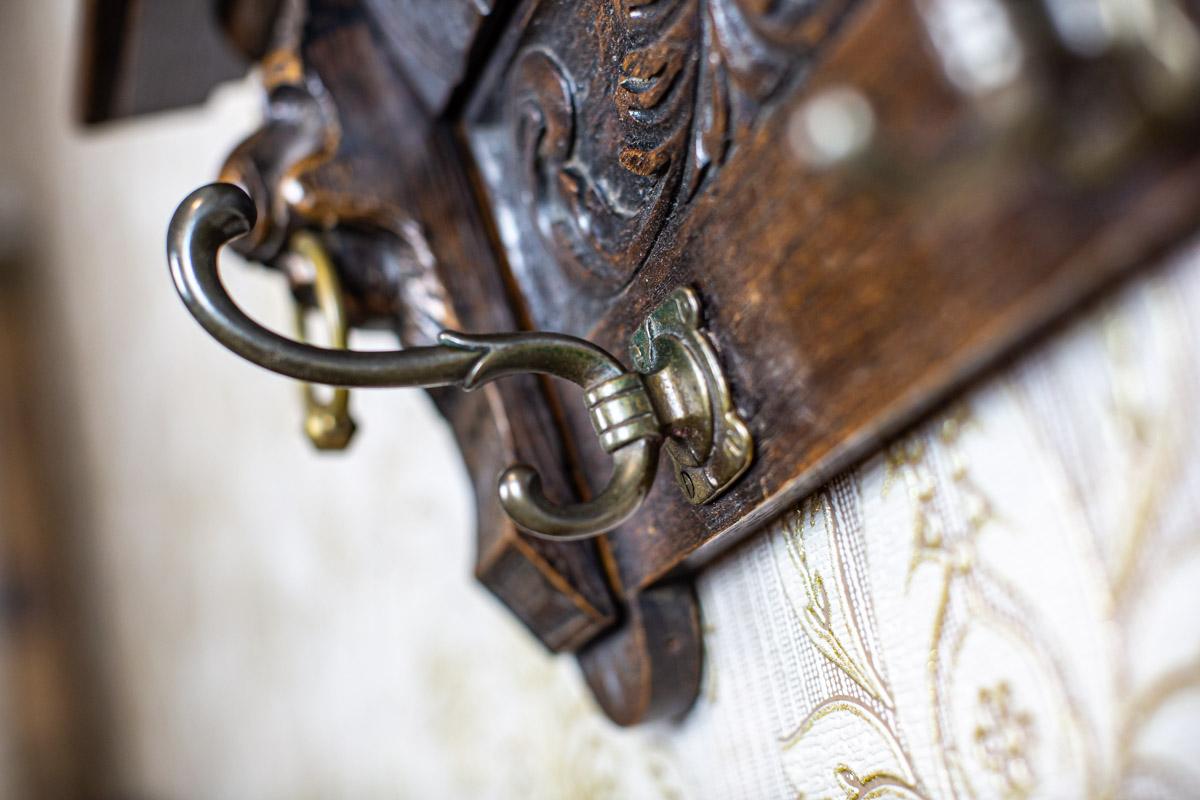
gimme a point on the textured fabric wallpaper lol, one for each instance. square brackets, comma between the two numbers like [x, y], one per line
[1004, 603]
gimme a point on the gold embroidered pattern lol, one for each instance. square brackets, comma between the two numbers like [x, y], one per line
[1012, 710]
[815, 611]
[1004, 736]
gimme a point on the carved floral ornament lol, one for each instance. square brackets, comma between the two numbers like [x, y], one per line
[691, 78]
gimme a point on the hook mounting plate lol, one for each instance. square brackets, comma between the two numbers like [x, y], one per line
[708, 441]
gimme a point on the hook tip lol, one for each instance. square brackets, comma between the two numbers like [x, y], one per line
[518, 486]
[221, 209]
[522, 497]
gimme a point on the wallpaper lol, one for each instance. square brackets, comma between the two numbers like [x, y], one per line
[1004, 603]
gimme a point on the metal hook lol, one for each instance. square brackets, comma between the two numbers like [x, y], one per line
[327, 423]
[621, 410]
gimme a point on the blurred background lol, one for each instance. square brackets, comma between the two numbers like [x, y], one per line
[195, 604]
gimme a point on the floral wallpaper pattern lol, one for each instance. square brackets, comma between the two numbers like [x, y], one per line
[1003, 603]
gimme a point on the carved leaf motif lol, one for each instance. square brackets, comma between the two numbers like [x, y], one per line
[687, 79]
[655, 83]
[703, 75]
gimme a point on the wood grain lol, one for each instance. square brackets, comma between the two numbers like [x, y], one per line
[841, 307]
[383, 184]
[565, 164]
[436, 42]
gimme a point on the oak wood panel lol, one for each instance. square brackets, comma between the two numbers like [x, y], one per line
[597, 122]
[566, 164]
[555, 588]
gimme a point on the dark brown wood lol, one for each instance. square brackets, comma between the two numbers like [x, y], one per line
[437, 42]
[384, 185]
[842, 305]
[600, 120]
[649, 667]
[565, 164]
[140, 56]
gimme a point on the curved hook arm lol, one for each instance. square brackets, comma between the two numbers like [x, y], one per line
[214, 215]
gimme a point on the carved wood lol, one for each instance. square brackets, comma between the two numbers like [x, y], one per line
[566, 164]
[605, 117]
[842, 307]
[384, 184]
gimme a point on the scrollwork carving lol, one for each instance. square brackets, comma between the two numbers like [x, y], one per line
[685, 78]
[702, 76]
[595, 225]
[701, 71]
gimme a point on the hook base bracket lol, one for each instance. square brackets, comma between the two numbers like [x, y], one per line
[709, 443]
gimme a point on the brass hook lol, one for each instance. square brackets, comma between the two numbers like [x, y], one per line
[327, 423]
[621, 410]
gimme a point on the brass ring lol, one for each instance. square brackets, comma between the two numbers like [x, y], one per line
[327, 424]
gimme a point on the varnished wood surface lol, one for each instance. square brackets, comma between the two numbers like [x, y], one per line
[565, 164]
[383, 184]
[841, 307]
[140, 56]
[437, 43]
[596, 123]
